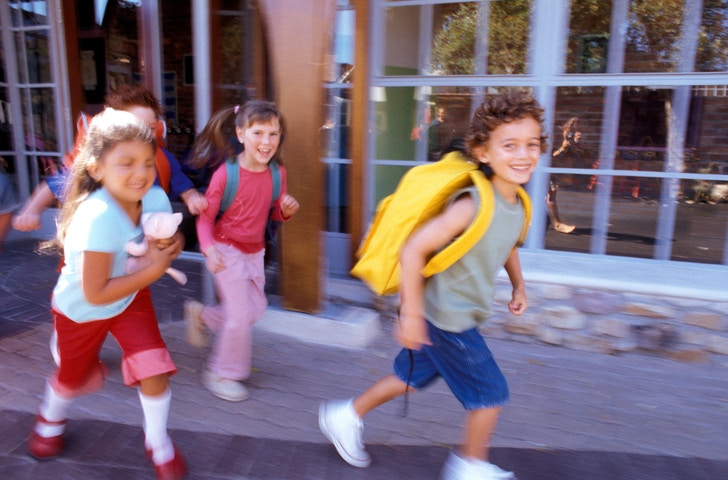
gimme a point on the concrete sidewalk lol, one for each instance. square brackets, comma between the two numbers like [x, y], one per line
[573, 415]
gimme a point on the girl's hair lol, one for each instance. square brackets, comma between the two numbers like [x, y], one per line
[105, 131]
[571, 124]
[499, 109]
[126, 96]
[218, 140]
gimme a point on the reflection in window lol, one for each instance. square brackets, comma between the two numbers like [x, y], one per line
[462, 38]
[652, 213]
[457, 44]
[712, 55]
[652, 36]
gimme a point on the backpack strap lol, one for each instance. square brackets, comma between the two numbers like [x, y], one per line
[527, 211]
[231, 184]
[275, 175]
[477, 228]
[164, 171]
[233, 178]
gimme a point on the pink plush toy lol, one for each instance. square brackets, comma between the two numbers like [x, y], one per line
[155, 225]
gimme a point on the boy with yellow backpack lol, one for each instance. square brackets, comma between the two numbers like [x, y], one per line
[442, 305]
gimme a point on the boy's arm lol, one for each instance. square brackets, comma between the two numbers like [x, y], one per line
[29, 217]
[518, 303]
[411, 331]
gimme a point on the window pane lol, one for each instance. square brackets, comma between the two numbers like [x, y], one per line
[43, 121]
[6, 131]
[231, 54]
[632, 227]
[37, 58]
[337, 175]
[575, 146]
[419, 123]
[589, 28]
[336, 130]
[462, 38]
[29, 13]
[667, 132]
[712, 55]
[653, 36]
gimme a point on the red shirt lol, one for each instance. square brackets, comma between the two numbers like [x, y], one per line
[242, 225]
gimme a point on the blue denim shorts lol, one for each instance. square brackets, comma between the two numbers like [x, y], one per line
[463, 360]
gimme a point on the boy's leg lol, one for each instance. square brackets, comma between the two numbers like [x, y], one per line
[479, 428]
[472, 374]
[382, 391]
[341, 421]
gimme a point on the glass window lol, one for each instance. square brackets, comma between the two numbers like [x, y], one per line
[336, 129]
[588, 42]
[655, 33]
[712, 55]
[37, 58]
[462, 38]
[638, 163]
[419, 123]
[28, 13]
[640, 180]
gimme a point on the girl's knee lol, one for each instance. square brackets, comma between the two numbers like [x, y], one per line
[154, 385]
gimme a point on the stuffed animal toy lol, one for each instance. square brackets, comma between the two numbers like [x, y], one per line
[155, 225]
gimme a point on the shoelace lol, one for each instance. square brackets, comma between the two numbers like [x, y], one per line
[405, 408]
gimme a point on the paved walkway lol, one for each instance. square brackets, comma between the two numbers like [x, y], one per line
[573, 415]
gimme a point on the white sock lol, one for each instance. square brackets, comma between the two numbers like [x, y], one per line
[53, 408]
[156, 411]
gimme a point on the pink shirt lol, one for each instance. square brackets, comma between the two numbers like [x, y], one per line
[242, 225]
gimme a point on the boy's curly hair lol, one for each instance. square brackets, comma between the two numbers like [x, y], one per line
[499, 109]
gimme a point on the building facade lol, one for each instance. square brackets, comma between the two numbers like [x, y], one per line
[636, 99]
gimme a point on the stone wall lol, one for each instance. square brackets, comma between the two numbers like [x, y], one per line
[602, 321]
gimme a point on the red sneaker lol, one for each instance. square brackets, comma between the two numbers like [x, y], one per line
[175, 469]
[45, 447]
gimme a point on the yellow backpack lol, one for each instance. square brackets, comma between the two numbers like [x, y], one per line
[421, 194]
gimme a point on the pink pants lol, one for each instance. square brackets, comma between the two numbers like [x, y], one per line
[240, 287]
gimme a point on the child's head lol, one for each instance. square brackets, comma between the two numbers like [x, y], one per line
[259, 128]
[499, 109]
[108, 132]
[138, 100]
[505, 112]
[217, 140]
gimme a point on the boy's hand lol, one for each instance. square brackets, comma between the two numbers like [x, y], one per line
[518, 303]
[410, 331]
[195, 201]
[26, 222]
[289, 206]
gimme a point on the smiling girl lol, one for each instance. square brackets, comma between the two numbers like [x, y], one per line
[110, 186]
[234, 243]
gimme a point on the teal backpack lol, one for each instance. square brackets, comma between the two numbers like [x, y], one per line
[231, 189]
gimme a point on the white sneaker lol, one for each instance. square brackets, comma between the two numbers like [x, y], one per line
[343, 427]
[225, 388]
[194, 326]
[459, 468]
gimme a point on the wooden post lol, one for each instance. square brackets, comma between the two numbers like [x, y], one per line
[298, 35]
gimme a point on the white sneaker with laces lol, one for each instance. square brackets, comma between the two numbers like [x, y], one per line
[343, 427]
[459, 468]
[225, 388]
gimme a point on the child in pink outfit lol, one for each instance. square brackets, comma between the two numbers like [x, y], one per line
[234, 242]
